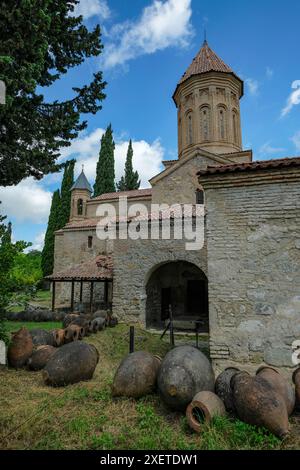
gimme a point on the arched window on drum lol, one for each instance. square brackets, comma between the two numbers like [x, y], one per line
[205, 122]
[222, 122]
[189, 128]
[235, 127]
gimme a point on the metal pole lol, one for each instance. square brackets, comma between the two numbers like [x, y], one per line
[172, 342]
[131, 339]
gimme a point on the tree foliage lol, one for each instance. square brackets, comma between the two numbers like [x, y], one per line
[26, 271]
[40, 40]
[53, 225]
[8, 252]
[131, 179]
[105, 172]
[65, 198]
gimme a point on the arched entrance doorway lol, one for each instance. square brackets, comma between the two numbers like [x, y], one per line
[183, 287]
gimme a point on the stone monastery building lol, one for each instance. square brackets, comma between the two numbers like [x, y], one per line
[244, 283]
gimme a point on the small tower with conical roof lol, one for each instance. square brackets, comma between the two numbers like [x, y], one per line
[207, 99]
[81, 192]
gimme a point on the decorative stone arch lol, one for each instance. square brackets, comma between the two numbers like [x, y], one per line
[180, 285]
[189, 127]
[222, 121]
[235, 119]
[205, 122]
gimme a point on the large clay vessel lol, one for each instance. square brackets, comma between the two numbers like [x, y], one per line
[280, 385]
[20, 348]
[40, 357]
[136, 375]
[203, 408]
[71, 363]
[223, 388]
[183, 372]
[42, 337]
[257, 403]
[59, 337]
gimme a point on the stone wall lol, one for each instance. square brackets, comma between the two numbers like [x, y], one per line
[179, 184]
[253, 233]
[92, 204]
[71, 248]
[134, 262]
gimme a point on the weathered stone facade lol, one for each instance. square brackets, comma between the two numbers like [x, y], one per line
[135, 261]
[253, 232]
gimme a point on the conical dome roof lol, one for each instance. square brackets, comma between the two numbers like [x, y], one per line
[206, 61]
[82, 183]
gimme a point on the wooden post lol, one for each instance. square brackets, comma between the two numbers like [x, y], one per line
[53, 295]
[72, 296]
[131, 339]
[81, 289]
[91, 297]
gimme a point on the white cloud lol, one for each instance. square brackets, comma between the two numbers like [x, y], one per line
[293, 99]
[27, 201]
[296, 140]
[269, 72]
[161, 24]
[147, 157]
[252, 86]
[90, 8]
[267, 149]
[38, 242]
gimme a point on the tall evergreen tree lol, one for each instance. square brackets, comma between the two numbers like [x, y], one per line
[53, 225]
[131, 179]
[105, 173]
[40, 41]
[65, 192]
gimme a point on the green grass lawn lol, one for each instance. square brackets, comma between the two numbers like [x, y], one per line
[85, 416]
[16, 325]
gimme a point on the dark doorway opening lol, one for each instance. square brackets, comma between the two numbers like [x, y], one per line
[182, 287]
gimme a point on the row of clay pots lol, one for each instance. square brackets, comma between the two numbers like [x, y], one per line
[185, 380]
[68, 364]
[183, 371]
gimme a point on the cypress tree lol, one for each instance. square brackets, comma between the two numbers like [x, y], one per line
[105, 173]
[40, 41]
[131, 179]
[66, 185]
[53, 225]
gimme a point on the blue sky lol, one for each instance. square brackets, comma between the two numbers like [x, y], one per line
[148, 46]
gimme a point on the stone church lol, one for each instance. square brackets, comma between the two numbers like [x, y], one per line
[243, 285]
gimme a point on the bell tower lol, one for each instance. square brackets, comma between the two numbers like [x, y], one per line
[80, 192]
[208, 103]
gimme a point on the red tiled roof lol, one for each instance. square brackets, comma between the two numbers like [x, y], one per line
[206, 61]
[99, 268]
[85, 223]
[130, 194]
[252, 166]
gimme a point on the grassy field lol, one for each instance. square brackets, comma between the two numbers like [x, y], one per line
[41, 298]
[84, 416]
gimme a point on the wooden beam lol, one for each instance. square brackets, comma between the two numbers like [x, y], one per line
[72, 296]
[81, 290]
[53, 295]
[91, 297]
